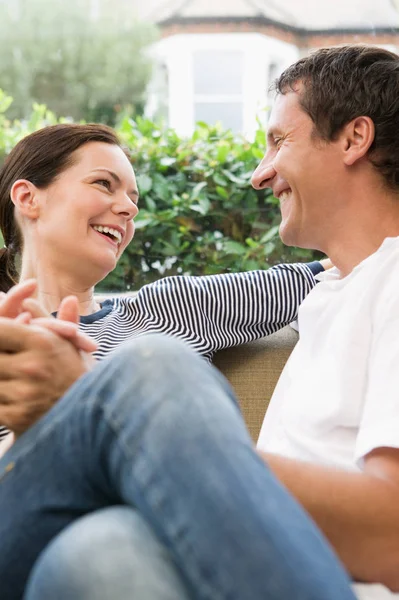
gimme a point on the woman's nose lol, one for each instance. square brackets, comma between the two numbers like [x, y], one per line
[126, 207]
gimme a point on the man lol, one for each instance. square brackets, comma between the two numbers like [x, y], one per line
[330, 434]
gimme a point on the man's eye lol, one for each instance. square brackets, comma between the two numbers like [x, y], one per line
[104, 182]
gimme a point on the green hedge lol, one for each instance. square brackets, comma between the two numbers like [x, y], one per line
[198, 212]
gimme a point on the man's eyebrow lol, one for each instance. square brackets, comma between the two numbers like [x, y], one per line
[117, 179]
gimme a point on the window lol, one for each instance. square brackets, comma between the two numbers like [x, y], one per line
[218, 87]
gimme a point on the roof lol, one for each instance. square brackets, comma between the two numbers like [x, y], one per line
[309, 15]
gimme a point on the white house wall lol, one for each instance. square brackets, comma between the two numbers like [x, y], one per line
[261, 57]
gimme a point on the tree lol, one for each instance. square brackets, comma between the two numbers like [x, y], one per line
[83, 59]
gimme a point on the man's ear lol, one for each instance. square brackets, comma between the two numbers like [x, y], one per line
[358, 135]
[25, 198]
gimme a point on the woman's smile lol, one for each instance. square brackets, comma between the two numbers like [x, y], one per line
[111, 233]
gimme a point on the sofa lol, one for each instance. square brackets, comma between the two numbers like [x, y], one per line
[253, 370]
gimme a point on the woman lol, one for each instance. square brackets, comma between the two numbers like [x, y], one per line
[154, 428]
[68, 199]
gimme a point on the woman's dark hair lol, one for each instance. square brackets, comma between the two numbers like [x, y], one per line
[345, 82]
[40, 158]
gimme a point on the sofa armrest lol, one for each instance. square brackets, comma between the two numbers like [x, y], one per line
[253, 370]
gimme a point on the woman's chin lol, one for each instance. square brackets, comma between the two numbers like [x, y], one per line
[99, 270]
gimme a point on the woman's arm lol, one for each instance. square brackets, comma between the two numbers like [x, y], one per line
[6, 440]
[218, 311]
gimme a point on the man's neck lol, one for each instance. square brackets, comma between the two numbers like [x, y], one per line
[362, 233]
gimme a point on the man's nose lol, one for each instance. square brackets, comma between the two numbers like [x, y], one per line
[263, 174]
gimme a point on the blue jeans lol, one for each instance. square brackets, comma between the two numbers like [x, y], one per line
[155, 428]
[109, 554]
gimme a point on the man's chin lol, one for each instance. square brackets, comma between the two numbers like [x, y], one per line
[287, 235]
[291, 237]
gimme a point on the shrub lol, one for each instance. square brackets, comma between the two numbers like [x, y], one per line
[199, 214]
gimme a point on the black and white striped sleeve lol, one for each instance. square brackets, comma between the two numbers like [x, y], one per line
[3, 432]
[218, 311]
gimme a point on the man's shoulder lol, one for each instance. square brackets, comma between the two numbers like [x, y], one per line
[384, 264]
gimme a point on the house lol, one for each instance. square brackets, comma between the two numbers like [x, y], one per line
[216, 58]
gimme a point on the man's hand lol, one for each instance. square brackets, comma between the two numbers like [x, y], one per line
[37, 367]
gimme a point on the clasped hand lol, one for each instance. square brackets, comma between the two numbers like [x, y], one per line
[40, 356]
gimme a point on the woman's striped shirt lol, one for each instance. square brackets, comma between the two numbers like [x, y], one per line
[209, 313]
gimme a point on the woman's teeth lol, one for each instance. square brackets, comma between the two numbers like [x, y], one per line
[110, 231]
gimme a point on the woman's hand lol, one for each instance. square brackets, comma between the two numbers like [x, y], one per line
[37, 367]
[65, 325]
[19, 304]
[11, 303]
[40, 356]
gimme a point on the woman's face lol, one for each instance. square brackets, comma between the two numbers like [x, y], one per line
[86, 215]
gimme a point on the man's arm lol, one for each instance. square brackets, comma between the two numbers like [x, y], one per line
[358, 512]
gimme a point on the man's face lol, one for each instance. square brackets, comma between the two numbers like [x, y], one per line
[304, 172]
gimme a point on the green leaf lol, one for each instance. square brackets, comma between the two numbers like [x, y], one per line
[257, 153]
[234, 178]
[253, 265]
[197, 189]
[161, 188]
[252, 243]
[182, 155]
[269, 235]
[144, 183]
[232, 247]
[150, 204]
[223, 152]
[260, 138]
[203, 205]
[222, 192]
[141, 223]
[220, 180]
[269, 248]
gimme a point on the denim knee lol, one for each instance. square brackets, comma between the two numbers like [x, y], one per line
[154, 349]
[158, 357]
[111, 553]
[157, 370]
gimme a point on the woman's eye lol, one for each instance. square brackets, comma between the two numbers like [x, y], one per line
[104, 182]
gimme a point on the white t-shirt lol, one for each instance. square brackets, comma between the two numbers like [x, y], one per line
[338, 396]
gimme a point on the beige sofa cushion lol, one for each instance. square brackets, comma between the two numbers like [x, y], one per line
[253, 370]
